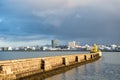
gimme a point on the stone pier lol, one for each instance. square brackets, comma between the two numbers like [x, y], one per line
[15, 69]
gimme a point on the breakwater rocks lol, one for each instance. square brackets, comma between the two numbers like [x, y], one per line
[45, 66]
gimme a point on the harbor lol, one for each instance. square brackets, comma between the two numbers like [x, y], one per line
[59, 40]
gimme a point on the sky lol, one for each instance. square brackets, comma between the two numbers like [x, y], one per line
[37, 22]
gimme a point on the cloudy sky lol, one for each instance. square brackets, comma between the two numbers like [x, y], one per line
[36, 22]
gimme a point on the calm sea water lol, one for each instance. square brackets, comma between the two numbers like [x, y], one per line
[106, 68]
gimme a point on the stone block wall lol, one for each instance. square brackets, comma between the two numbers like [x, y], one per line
[16, 67]
[26, 67]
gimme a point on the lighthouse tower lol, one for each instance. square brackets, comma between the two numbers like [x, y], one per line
[95, 50]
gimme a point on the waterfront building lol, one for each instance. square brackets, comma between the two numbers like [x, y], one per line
[72, 44]
[0, 49]
[63, 47]
[37, 48]
[113, 46]
[33, 48]
[118, 48]
[10, 48]
[55, 43]
[44, 48]
[16, 48]
[88, 47]
[4, 48]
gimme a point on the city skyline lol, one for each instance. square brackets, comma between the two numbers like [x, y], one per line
[28, 22]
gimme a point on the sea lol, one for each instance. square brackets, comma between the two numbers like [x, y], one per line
[106, 68]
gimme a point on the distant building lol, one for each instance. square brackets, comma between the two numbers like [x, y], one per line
[44, 48]
[5, 49]
[55, 43]
[118, 48]
[10, 48]
[29, 48]
[37, 48]
[72, 44]
[0, 48]
[63, 47]
[88, 47]
[113, 47]
[16, 49]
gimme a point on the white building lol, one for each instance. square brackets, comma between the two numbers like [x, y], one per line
[1, 49]
[113, 47]
[72, 44]
[33, 48]
[10, 48]
[55, 43]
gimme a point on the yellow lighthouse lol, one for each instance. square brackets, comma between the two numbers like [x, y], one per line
[95, 49]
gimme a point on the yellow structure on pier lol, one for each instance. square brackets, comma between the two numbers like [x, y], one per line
[95, 49]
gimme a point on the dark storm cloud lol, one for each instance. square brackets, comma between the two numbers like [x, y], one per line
[84, 20]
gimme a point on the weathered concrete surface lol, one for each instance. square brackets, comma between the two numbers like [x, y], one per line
[15, 69]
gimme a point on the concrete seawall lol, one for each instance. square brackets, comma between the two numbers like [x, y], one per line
[16, 69]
